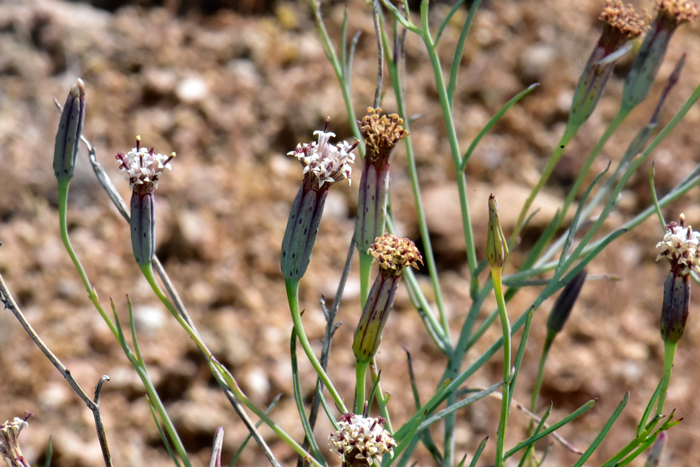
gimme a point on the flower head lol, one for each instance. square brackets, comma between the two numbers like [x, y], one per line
[680, 247]
[323, 162]
[142, 167]
[381, 134]
[621, 25]
[361, 441]
[672, 13]
[9, 441]
[395, 254]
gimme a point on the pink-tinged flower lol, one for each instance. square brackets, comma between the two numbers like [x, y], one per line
[361, 441]
[324, 164]
[9, 441]
[680, 247]
[142, 167]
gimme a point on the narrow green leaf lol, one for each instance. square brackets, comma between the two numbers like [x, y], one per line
[603, 432]
[493, 120]
[257, 425]
[585, 407]
[478, 452]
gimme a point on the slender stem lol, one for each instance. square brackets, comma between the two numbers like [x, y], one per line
[612, 127]
[62, 216]
[549, 168]
[379, 395]
[669, 355]
[428, 254]
[147, 271]
[360, 382]
[293, 299]
[454, 148]
[9, 303]
[507, 375]
[540, 377]
[227, 381]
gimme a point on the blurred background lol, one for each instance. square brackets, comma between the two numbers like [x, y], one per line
[232, 86]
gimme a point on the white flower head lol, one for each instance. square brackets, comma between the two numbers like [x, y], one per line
[680, 246]
[324, 162]
[142, 167]
[9, 441]
[360, 440]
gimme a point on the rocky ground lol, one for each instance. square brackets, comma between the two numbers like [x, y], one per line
[232, 90]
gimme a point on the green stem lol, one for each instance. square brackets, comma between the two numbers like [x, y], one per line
[669, 355]
[220, 371]
[612, 127]
[540, 376]
[428, 255]
[147, 270]
[379, 395]
[360, 382]
[63, 216]
[293, 299]
[454, 149]
[546, 173]
[507, 375]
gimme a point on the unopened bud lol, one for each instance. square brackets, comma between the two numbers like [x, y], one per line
[143, 227]
[654, 459]
[496, 243]
[565, 303]
[70, 129]
[674, 311]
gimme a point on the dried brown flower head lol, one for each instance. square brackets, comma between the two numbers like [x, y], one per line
[622, 23]
[381, 134]
[395, 254]
[672, 13]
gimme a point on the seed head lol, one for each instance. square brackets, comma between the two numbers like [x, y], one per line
[394, 254]
[361, 441]
[381, 134]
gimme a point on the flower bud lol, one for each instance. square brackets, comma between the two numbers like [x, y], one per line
[670, 15]
[496, 243]
[393, 255]
[654, 459]
[70, 128]
[381, 134]
[565, 303]
[300, 234]
[674, 311]
[324, 164]
[621, 25]
[143, 227]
